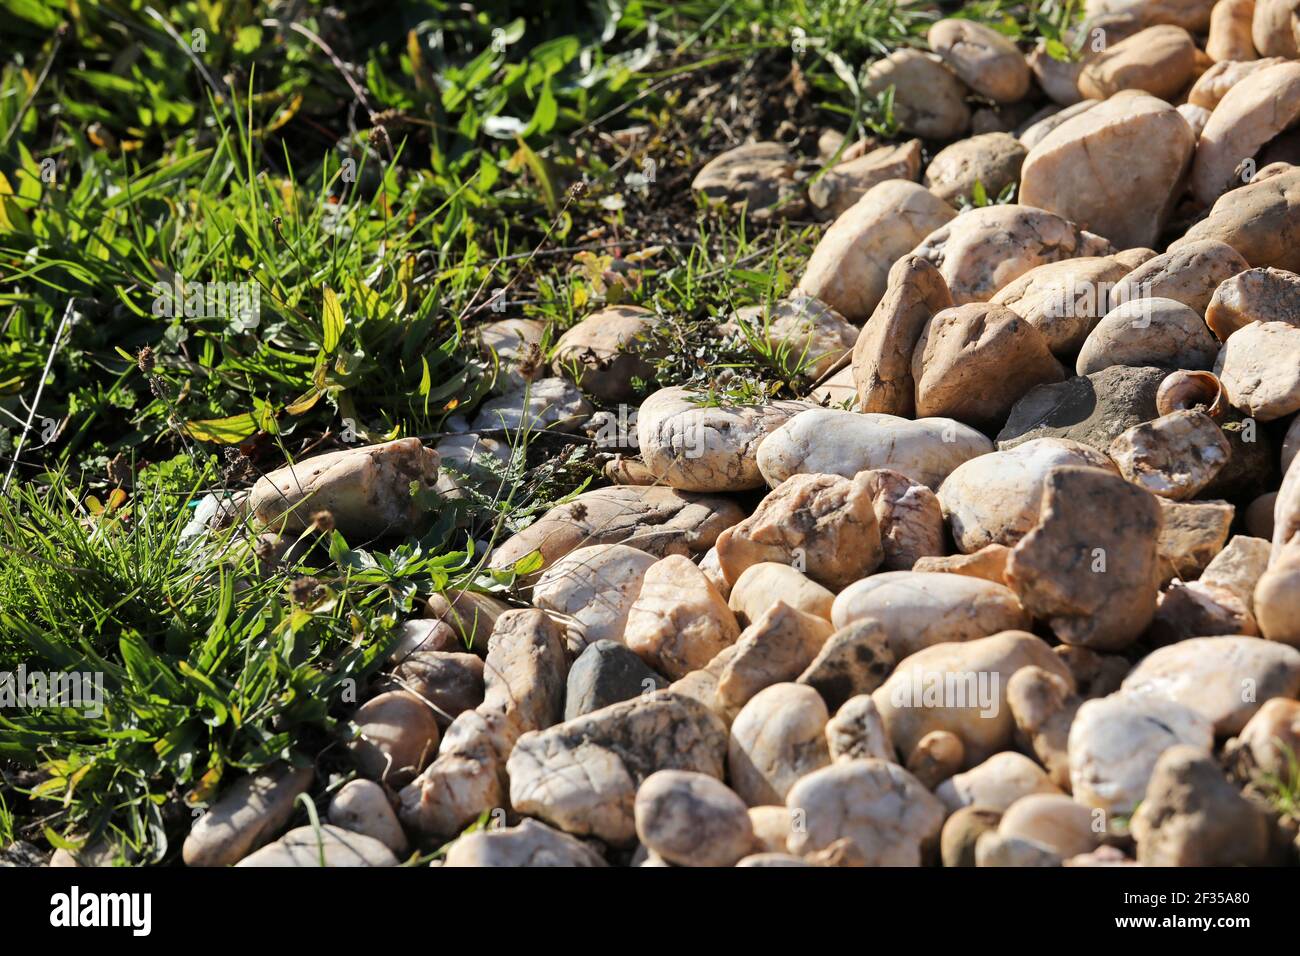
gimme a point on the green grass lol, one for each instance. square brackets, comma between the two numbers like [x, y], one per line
[377, 179]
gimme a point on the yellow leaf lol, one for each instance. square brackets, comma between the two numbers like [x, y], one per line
[305, 403]
[286, 114]
[223, 431]
[332, 319]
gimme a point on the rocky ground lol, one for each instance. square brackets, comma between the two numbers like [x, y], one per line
[1016, 584]
[1014, 580]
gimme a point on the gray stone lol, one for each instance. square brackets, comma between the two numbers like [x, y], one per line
[1093, 409]
[606, 673]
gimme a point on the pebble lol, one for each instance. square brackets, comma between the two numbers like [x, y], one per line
[856, 732]
[327, 845]
[1054, 821]
[1224, 679]
[679, 622]
[606, 673]
[656, 520]
[544, 403]
[593, 588]
[362, 806]
[824, 525]
[995, 784]
[918, 609]
[692, 819]
[753, 176]
[693, 446]
[532, 843]
[609, 349]
[882, 355]
[827, 441]
[853, 263]
[961, 688]
[883, 809]
[929, 100]
[985, 249]
[762, 585]
[973, 362]
[1116, 741]
[246, 816]
[1192, 816]
[397, 734]
[778, 737]
[777, 647]
[996, 498]
[1090, 409]
[910, 519]
[853, 661]
[367, 490]
[1092, 169]
[1089, 568]
[962, 830]
[582, 775]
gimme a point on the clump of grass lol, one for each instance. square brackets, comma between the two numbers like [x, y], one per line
[1283, 790]
[211, 664]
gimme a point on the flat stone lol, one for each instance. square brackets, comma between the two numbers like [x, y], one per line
[246, 816]
[1091, 409]
[1224, 679]
[327, 846]
[656, 520]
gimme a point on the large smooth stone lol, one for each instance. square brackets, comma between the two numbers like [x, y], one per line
[834, 442]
